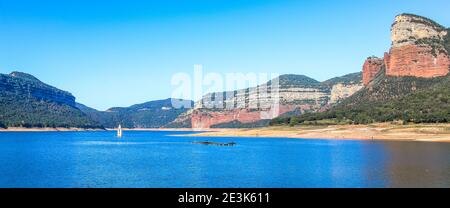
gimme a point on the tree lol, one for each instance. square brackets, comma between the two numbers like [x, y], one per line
[294, 121]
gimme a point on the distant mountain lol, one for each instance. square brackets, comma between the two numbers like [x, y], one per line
[153, 114]
[26, 85]
[25, 101]
[298, 94]
[353, 78]
[294, 80]
[410, 84]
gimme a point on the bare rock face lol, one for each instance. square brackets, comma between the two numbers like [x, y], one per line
[419, 49]
[204, 118]
[296, 93]
[417, 61]
[252, 105]
[408, 28]
[341, 91]
[371, 67]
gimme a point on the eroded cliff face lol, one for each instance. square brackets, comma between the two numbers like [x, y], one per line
[253, 107]
[203, 118]
[295, 93]
[371, 67]
[418, 49]
[408, 28]
[417, 61]
[341, 91]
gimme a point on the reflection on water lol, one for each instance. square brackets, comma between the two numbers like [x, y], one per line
[417, 164]
[155, 159]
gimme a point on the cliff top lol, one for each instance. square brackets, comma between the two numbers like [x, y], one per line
[419, 19]
[411, 29]
[352, 78]
[23, 75]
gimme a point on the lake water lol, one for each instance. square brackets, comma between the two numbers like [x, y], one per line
[157, 159]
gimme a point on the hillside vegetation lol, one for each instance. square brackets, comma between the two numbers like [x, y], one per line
[17, 111]
[406, 99]
[25, 101]
[153, 114]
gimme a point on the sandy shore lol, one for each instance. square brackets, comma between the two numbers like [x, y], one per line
[163, 129]
[21, 129]
[384, 131]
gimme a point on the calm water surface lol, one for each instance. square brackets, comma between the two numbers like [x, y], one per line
[157, 159]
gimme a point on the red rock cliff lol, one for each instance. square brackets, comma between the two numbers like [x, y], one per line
[371, 67]
[203, 119]
[418, 49]
[418, 61]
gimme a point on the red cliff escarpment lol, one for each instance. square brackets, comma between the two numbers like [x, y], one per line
[294, 94]
[417, 61]
[202, 119]
[418, 49]
[371, 67]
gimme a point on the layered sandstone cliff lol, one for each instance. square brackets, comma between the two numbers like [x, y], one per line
[371, 67]
[294, 94]
[260, 103]
[419, 49]
[341, 91]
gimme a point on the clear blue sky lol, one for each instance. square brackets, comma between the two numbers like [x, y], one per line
[118, 53]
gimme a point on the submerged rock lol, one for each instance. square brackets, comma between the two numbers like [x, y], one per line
[215, 143]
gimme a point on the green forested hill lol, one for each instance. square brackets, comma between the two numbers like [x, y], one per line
[17, 111]
[153, 114]
[352, 78]
[293, 80]
[27, 102]
[408, 99]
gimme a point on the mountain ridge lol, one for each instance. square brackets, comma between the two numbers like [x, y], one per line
[25, 101]
[151, 114]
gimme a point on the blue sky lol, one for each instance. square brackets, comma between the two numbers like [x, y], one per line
[118, 53]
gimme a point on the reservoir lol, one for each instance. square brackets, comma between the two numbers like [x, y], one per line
[160, 159]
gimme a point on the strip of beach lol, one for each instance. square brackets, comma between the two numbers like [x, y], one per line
[382, 131]
[23, 129]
